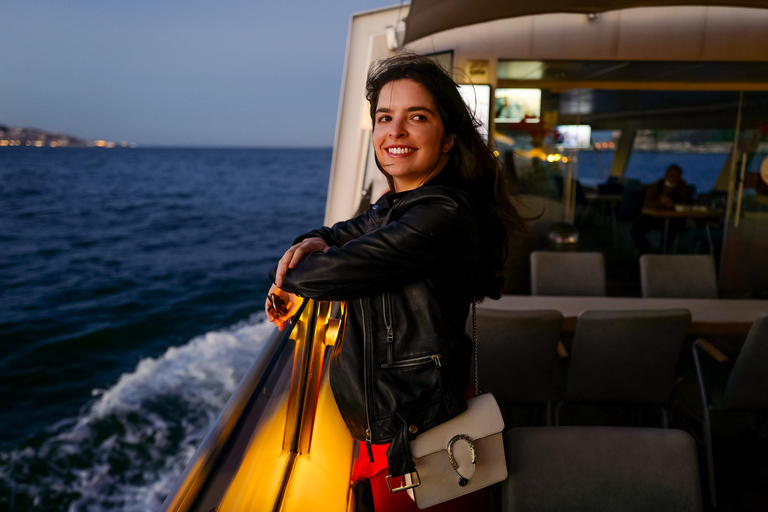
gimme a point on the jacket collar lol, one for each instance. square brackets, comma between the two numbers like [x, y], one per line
[448, 177]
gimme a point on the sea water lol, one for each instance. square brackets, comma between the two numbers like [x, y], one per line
[131, 288]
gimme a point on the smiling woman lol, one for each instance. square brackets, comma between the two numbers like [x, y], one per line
[409, 268]
[408, 135]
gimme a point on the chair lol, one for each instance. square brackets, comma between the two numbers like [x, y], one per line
[567, 469]
[515, 354]
[631, 204]
[625, 358]
[741, 386]
[567, 273]
[678, 276]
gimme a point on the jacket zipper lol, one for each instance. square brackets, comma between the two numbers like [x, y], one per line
[386, 305]
[415, 361]
[367, 367]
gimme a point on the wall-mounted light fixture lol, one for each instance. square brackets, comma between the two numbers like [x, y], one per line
[391, 35]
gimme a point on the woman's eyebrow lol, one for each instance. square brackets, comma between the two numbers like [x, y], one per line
[409, 109]
[414, 109]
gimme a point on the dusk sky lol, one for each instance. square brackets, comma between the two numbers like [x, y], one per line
[176, 73]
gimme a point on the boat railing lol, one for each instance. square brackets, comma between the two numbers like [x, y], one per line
[278, 395]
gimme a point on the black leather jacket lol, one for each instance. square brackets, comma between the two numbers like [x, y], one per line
[404, 267]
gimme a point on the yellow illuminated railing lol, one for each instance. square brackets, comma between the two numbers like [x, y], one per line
[280, 442]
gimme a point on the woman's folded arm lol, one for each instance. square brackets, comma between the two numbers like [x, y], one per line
[397, 253]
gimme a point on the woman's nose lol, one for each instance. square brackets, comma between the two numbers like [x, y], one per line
[397, 128]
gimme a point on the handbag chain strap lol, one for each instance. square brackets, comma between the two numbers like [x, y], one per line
[474, 343]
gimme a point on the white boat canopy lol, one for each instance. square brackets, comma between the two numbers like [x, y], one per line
[428, 17]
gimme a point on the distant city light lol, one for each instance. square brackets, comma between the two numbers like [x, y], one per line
[32, 137]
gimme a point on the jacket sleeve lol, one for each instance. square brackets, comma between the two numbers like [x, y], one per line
[341, 232]
[432, 225]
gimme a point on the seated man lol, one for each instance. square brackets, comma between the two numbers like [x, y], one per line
[664, 194]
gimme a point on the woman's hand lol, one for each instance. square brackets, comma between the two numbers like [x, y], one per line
[291, 301]
[293, 256]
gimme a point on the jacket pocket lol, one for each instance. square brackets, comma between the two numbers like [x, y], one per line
[406, 384]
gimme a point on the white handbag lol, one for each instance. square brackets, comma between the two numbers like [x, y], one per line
[462, 455]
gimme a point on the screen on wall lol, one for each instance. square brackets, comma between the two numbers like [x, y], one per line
[478, 99]
[517, 105]
[574, 136]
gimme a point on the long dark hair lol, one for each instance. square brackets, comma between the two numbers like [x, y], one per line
[478, 167]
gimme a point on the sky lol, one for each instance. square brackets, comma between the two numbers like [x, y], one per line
[245, 73]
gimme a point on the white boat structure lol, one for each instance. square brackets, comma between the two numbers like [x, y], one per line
[621, 67]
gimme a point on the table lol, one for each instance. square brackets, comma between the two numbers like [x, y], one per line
[709, 316]
[667, 214]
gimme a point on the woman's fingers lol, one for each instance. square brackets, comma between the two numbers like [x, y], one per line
[282, 265]
[298, 254]
[281, 306]
[295, 254]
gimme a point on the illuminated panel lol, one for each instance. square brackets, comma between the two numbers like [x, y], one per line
[516, 105]
[321, 478]
[574, 136]
[257, 480]
[478, 99]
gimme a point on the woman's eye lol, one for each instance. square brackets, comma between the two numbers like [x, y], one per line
[383, 119]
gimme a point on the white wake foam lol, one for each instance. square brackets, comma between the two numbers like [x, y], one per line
[127, 449]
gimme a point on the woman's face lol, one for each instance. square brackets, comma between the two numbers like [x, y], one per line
[408, 134]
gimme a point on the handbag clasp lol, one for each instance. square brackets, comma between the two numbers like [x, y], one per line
[452, 459]
[403, 485]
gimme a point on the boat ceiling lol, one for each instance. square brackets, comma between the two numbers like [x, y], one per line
[428, 17]
[633, 75]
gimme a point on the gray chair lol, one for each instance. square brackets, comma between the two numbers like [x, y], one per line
[567, 469]
[625, 358]
[739, 386]
[516, 352]
[567, 273]
[678, 276]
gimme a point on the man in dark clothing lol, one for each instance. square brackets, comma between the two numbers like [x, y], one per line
[663, 195]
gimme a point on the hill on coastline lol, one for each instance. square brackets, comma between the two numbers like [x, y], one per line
[20, 136]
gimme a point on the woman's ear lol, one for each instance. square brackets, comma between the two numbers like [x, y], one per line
[448, 142]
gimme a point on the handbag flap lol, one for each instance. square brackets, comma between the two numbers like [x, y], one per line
[481, 419]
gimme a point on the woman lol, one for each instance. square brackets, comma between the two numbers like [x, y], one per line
[411, 265]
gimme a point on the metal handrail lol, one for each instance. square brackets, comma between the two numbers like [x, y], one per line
[198, 470]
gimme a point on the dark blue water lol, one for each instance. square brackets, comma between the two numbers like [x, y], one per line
[130, 282]
[699, 169]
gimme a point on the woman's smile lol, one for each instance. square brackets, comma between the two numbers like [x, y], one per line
[408, 134]
[399, 151]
